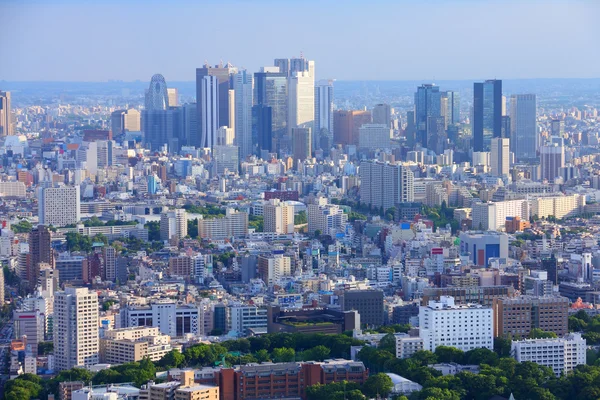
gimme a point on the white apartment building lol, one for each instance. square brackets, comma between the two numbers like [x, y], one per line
[278, 217]
[466, 327]
[235, 223]
[560, 354]
[386, 185]
[75, 328]
[173, 224]
[374, 136]
[171, 319]
[12, 189]
[500, 157]
[241, 318]
[558, 206]
[58, 205]
[492, 216]
[133, 344]
[407, 345]
[274, 267]
[327, 218]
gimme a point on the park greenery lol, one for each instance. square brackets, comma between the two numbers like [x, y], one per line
[23, 226]
[589, 326]
[208, 211]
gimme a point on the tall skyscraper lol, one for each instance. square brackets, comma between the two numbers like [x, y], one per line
[427, 105]
[209, 98]
[301, 99]
[487, 113]
[523, 130]
[122, 121]
[452, 111]
[500, 157]
[161, 124]
[5, 116]
[173, 95]
[221, 74]
[243, 86]
[271, 102]
[40, 251]
[324, 114]
[58, 205]
[157, 97]
[346, 125]
[301, 144]
[382, 114]
[552, 159]
[189, 115]
[75, 328]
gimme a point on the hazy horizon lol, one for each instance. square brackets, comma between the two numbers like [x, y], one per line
[429, 41]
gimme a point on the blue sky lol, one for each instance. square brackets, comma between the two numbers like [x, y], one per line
[83, 40]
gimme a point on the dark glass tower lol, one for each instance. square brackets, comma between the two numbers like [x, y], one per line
[427, 104]
[487, 113]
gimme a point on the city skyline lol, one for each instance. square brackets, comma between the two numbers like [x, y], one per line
[345, 42]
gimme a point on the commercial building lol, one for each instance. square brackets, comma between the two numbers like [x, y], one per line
[500, 157]
[560, 354]
[374, 136]
[301, 100]
[519, 315]
[171, 319]
[346, 125]
[226, 159]
[30, 323]
[278, 217]
[466, 327]
[243, 87]
[242, 319]
[523, 127]
[427, 110]
[40, 252]
[122, 121]
[382, 114]
[368, 303]
[173, 225]
[234, 224]
[75, 328]
[481, 246]
[301, 144]
[492, 215]
[70, 267]
[487, 113]
[516, 224]
[58, 205]
[311, 320]
[6, 127]
[125, 345]
[552, 159]
[323, 131]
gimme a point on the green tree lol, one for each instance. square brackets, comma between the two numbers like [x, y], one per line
[378, 385]
[172, 359]
[317, 353]
[45, 348]
[262, 355]
[23, 226]
[300, 218]
[537, 333]
[284, 354]
[433, 393]
[502, 346]
[447, 354]
[388, 342]
[480, 356]
[153, 230]
[424, 357]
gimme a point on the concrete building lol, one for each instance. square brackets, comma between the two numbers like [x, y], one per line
[466, 327]
[301, 144]
[382, 114]
[122, 121]
[241, 319]
[243, 87]
[171, 319]
[273, 267]
[492, 215]
[500, 157]
[278, 217]
[226, 159]
[70, 267]
[407, 345]
[173, 225]
[30, 323]
[234, 224]
[368, 303]
[560, 354]
[301, 100]
[481, 246]
[6, 126]
[12, 189]
[40, 252]
[326, 218]
[125, 345]
[519, 315]
[524, 139]
[58, 205]
[75, 328]
[558, 206]
[346, 125]
[374, 136]
[552, 159]
[385, 185]
[324, 114]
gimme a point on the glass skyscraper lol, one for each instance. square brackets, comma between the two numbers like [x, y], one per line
[427, 105]
[487, 113]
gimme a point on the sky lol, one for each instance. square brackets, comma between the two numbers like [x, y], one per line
[85, 40]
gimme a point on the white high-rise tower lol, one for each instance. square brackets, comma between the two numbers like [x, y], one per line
[243, 87]
[301, 99]
[500, 157]
[209, 90]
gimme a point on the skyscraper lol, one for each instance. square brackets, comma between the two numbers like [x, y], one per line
[523, 130]
[346, 125]
[161, 123]
[75, 328]
[5, 117]
[301, 144]
[209, 110]
[221, 75]
[243, 87]
[301, 98]
[157, 97]
[382, 114]
[552, 159]
[452, 107]
[271, 99]
[487, 113]
[427, 105]
[500, 157]
[324, 114]
[173, 95]
[40, 251]
[122, 121]
[58, 205]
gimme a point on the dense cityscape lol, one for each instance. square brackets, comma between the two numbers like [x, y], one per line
[280, 234]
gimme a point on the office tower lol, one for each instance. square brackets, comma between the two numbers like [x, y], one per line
[519, 315]
[289, 66]
[385, 185]
[500, 157]
[189, 115]
[231, 104]
[442, 323]
[436, 134]
[324, 114]
[244, 86]
[226, 159]
[452, 112]
[278, 217]
[40, 251]
[346, 125]
[122, 121]
[487, 113]
[506, 133]
[5, 116]
[69, 267]
[283, 64]
[221, 81]
[523, 130]
[58, 205]
[301, 144]
[1, 286]
[106, 153]
[382, 114]
[173, 224]
[550, 265]
[557, 128]
[301, 100]
[225, 136]
[209, 110]
[410, 131]
[173, 95]
[109, 258]
[552, 159]
[368, 303]
[374, 136]
[427, 104]
[75, 328]
[161, 124]
[270, 104]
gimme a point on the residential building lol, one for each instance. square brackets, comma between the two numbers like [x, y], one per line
[58, 205]
[561, 354]
[407, 345]
[278, 217]
[385, 185]
[234, 224]
[519, 315]
[12, 189]
[558, 206]
[374, 136]
[466, 327]
[124, 345]
[492, 215]
[271, 268]
[326, 218]
[173, 225]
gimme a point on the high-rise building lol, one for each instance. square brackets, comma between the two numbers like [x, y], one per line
[382, 114]
[109, 258]
[301, 100]
[75, 328]
[374, 136]
[552, 159]
[523, 129]
[500, 157]
[157, 97]
[368, 303]
[271, 268]
[519, 315]
[122, 121]
[278, 217]
[210, 90]
[243, 86]
[301, 143]
[557, 128]
[329, 219]
[173, 224]
[385, 185]
[452, 112]
[40, 251]
[324, 114]
[346, 125]
[226, 158]
[270, 111]
[225, 136]
[173, 95]
[161, 124]
[487, 113]
[6, 127]
[220, 116]
[58, 205]
[427, 105]
[562, 355]
[189, 115]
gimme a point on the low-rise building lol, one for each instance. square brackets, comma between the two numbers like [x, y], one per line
[560, 354]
